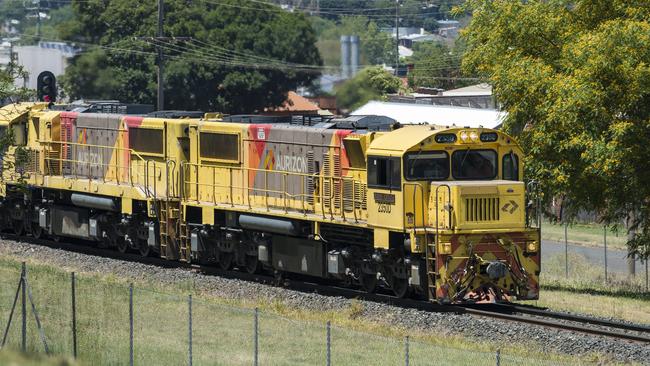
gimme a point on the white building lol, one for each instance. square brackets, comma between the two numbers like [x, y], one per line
[46, 56]
[408, 113]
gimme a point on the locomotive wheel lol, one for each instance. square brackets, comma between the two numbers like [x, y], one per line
[400, 287]
[225, 260]
[279, 279]
[368, 282]
[122, 245]
[18, 226]
[37, 231]
[144, 248]
[252, 264]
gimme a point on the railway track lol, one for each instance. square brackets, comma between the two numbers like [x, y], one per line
[564, 321]
[509, 312]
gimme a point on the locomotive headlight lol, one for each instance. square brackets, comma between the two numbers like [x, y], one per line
[532, 246]
[473, 136]
[464, 137]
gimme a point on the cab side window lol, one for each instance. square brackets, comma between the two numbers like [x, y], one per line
[384, 172]
[511, 167]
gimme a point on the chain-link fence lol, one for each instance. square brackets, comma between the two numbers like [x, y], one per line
[107, 322]
[591, 255]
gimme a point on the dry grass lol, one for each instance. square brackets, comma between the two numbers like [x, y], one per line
[11, 358]
[585, 291]
[584, 234]
[223, 329]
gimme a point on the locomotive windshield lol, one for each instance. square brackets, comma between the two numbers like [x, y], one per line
[474, 164]
[430, 165]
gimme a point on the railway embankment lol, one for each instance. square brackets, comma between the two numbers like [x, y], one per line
[383, 326]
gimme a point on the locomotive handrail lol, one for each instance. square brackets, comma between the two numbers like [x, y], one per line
[416, 185]
[282, 194]
[533, 186]
[170, 192]
[437, 211]
[119, 168]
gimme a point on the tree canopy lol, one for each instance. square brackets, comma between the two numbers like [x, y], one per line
[371, 83]
[240, 58]
[436, 65]
[574, 77]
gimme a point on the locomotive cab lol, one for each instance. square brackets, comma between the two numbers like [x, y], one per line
[453, 205]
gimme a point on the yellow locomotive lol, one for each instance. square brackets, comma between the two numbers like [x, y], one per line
[435, 211]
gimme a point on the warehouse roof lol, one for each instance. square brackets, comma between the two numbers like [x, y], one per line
[409, 113]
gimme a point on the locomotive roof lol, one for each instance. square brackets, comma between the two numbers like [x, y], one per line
[408, 137]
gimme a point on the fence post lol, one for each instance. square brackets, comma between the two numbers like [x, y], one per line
[566, 250]
[406, 351]
[256, 330]
[189, 302]
[23, 274]
[329, 343]
[131, 324]
[605, 241]
[498, 357]
[646, 274]
[74, 317]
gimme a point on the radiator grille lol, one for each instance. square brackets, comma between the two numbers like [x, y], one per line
[482, 209]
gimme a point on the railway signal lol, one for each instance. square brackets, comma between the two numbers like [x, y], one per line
[46, 87]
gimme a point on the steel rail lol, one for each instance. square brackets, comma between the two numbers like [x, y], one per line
[576, 318]
[558, 324]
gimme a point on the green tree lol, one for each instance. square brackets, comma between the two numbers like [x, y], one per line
[372, 83]
[230, 64]
[9, 93]
[436, 65]
[574, 77]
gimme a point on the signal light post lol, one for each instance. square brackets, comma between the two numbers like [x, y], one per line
[46, 87]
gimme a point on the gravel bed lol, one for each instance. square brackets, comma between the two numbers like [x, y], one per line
[497, 332]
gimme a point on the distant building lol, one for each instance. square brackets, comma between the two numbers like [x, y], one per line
[46, 56]
[404, 31]
[448, 28]
[295, 105]
[326, 102]
[473, 96]
[410, 113]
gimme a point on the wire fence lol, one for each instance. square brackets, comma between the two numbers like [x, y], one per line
[591, 255]
[104, 322]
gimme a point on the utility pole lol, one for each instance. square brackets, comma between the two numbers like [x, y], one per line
[38, 20]
[160, 54]
[397, 37]
[161, 62]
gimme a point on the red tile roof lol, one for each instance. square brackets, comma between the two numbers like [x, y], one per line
[295, 103]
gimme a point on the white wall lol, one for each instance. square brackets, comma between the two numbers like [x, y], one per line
[36, 59]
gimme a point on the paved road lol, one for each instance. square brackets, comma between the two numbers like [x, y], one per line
[616, 260]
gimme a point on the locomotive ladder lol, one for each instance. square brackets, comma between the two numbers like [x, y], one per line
[184, 236]
[431, 269]
[173, 237]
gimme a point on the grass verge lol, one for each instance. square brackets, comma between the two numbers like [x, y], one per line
[585, 290]
[223, 329]
[12, 358]
[584, 234]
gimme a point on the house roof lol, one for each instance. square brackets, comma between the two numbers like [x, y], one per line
[409, 113]
[472, 90]
[295, 103]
